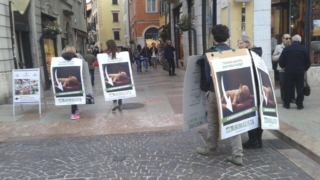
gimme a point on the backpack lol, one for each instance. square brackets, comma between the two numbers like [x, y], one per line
[204, 83]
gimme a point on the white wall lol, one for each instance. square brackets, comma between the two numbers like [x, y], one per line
[126, 22]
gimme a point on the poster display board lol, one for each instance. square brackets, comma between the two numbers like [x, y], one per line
[116, 76]
[26, 87]
[194, 99]
[233, 79]
[67, 81]
[268, 105]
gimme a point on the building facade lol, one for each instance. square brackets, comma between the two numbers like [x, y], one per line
[109, 19]
[144, 21]
[36, 41]
[125, 6]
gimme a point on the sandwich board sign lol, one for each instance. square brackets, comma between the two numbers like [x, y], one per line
[235, 91]
[116, 76]
[26, 87]
[67, 81]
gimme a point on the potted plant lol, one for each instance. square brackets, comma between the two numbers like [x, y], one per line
[185, 22]
[52, 27]
[131, 41]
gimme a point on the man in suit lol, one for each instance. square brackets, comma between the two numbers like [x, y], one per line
[169, 57]
[295, 61]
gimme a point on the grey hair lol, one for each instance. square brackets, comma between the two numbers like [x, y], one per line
[296, 37]
[246, 39]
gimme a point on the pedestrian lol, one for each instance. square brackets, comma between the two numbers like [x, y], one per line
[90, 59]
[295, 61]
[136, 58]
[68, 53]
[255, 135]
[140, 57]
[112, 52]
[154, 55]
[145, 53]
[220, 34]
[286, 41]
[169, 57]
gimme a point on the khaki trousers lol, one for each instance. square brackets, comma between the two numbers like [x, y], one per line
[213, 127]
[154, 62]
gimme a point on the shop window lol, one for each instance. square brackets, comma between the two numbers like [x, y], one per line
[116, 35]
[115, 17]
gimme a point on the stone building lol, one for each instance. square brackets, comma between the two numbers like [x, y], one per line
[34, 43]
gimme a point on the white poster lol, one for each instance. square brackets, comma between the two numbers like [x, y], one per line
[194, 99]
[67, 81]
[235, 91]
[268, 104]
[116, 76]
[26, 85]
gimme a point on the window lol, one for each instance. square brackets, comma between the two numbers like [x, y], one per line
[114, 1]
[115, 17]
[116, 35]
[151, 5]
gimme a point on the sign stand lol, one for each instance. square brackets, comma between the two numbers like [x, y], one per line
[26, 88]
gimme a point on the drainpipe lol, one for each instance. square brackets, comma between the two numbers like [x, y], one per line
[195, 40]
[13, 34]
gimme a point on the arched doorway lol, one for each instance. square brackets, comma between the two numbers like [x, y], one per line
[150, 34]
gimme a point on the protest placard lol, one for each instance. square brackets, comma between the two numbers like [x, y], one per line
[268, 104]
[67, 81]
[233, 79]
[116, 76]
[194, 99]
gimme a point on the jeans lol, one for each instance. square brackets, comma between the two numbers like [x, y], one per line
[73, 109]
[145, 63]
[92, 76]
[138, 64]
[119, 101]
[213, 128]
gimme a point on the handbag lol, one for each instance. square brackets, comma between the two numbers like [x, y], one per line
[95, 63]
[306, 89]
[89, 99]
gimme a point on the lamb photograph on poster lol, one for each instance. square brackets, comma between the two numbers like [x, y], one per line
[67, 81]
[266, 94]
[117, 77]
[237, 95]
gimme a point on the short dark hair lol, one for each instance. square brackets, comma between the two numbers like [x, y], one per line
[220, 33]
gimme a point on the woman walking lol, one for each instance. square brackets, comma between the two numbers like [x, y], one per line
[112, 52]
[68, 53]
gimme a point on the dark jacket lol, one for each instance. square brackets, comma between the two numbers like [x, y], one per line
[295, 58]
[257, 50]
[145, 52]
[222, 47]
[90, 59]
[68, 56]
[168, 52]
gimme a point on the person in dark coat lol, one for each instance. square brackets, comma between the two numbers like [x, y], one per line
[169, 57]
[295, 60]
[145, 52]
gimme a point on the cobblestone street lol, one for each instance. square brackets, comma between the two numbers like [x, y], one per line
[154, 155]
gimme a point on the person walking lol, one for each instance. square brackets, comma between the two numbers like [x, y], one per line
[90, 59]
[154, 55]
[295, 61]
[220, 35]
[68, 54]
[169, 57]
[255, 135]
[146, 54]
[136, 58]
[286, 41]
[112, 52]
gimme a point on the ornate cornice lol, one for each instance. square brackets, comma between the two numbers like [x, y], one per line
[47, 8]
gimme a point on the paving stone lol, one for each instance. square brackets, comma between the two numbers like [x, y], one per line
[152, 155]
